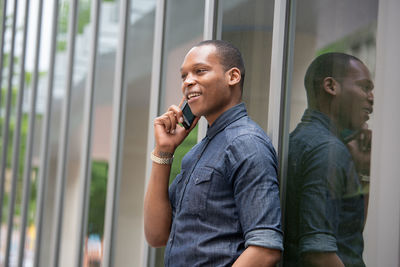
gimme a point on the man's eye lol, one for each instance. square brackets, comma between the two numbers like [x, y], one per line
[200, 70]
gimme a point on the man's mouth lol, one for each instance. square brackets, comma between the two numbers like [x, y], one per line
[191, 95]
[368, 110]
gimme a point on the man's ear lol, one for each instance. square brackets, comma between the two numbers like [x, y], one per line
[330, 86]
[234, 76]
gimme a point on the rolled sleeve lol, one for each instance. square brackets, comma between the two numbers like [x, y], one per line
[265, 238]
[256, 191]
[318, 243]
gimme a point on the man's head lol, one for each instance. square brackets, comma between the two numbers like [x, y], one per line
[212, 78]
[340, 85]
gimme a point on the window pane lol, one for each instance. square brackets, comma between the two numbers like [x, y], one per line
[329, 143]
[248, 25]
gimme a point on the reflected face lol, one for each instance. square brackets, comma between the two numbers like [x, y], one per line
[355, 99]
[205, 83]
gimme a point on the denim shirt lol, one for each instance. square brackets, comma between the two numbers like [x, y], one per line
[324, 200]
[226, 196]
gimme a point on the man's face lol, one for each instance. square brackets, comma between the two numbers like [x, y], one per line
[205, 83]
[354, 100]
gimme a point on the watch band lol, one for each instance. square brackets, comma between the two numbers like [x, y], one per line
[163, 161]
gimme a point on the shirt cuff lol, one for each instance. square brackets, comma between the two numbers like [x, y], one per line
[266, 238]
[318, 243]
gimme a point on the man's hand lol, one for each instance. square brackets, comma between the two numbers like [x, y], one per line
[360, 150]
[167, 131]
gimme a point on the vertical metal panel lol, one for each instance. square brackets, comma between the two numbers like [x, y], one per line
[277, 70]
[119, 106]
[283, 146]
[6, 124]
[44, 149]
[86, 162]
[159, 30]
[63, 149]
[280, 86]
[3, 30]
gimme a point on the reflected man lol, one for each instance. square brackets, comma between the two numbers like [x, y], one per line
[223, 208]
[328, 152]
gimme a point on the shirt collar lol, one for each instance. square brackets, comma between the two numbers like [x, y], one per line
[226, 118]
[312, 114]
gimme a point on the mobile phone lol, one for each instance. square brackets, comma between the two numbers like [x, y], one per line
[188, 116]
[348, 135]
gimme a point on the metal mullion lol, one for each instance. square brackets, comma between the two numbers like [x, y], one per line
[280, 90]
[3, 30]
[44, 150]
[119, 106]
[86, 168]
[63, 149]
[6, 125]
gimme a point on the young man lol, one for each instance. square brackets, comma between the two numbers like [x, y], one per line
[325, 199]
[223, 208]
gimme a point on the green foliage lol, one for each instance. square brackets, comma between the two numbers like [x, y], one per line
[83, 18]
[84, 15]
[181, 151]
[98, 190]
[61, 45]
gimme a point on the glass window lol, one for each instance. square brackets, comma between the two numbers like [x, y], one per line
[248, 25]
[330, 142]
[138, 67]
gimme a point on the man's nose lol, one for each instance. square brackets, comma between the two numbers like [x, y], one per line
[370, 97]
[188, 81]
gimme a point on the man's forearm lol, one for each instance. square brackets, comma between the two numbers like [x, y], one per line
[157, 208]
[258, 257]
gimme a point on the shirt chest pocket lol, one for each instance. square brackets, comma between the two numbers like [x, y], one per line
[195, 199]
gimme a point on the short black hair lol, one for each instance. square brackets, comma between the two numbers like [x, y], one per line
[335, 65]
[230, 56]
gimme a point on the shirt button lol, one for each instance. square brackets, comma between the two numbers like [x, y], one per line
[170, 240]
[197, 179]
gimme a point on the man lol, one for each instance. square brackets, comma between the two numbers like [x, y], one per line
[223, 208]
[325, 198]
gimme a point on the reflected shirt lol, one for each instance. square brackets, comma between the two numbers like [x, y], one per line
[226, 196]
[324, 200]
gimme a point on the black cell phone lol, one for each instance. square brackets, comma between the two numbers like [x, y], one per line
[188, 116]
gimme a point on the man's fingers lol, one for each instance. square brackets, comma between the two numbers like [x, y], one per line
[178, 113]
[173, 120]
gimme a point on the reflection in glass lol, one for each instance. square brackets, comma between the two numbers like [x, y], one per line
[329, 145]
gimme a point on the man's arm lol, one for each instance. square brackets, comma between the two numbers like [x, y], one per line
[258, 257]
[157, 208]
[256, 193]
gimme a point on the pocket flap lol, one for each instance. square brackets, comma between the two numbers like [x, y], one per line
[202, 174]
